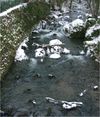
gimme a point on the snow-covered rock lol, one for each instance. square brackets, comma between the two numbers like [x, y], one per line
[51, 100]
[53, 50]
[93, 48]
[55, 42]
[95, 87]
[54, 56]
[93, 31]
[70, 105]
[93, 43]
[82, 93]
[77, 23]
[65, 104]
[90, 22]
[65, 51]
[75, 29]
[20, 53]
[34, 102]
[40, 52]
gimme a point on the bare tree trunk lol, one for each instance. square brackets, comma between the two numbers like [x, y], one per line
[94, 7]
[70, 6]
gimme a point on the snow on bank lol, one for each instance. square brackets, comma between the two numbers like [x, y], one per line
[92, 29]
[65, 104]
[93, 42]
[12, 9]
[92, 46]
[20, 54]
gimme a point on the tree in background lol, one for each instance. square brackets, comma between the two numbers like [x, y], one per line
[94, 7]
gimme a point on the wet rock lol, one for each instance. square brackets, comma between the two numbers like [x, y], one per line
[93, 42]
[65, 104]
[35, 32]
[28, 89]
[22, 113]
[40, 52]
[3, 114]
[51, 100]
[23, 47]
[37, 75]
[95, 87]
[92, 32]
[17, 77]
[90, 22]
[34, 102]
[82, 93]
[51, 76]
[70, 105]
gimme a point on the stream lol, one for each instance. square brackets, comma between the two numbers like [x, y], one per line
[28, 83]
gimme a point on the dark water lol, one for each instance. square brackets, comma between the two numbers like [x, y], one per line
[73, 74]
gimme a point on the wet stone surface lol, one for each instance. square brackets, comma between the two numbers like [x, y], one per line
[30, 81]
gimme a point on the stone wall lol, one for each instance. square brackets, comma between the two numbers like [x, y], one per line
[14, 27]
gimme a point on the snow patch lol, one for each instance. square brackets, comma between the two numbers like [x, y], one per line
[82, 52]
[77, 22]
[12, 9]
[65, 104]
[40, 52]
[95, 87]
[54, 56]
[82, 93]
[91, 30]
[55, 42]
[66, 51]
[20, 54]
[94, 41]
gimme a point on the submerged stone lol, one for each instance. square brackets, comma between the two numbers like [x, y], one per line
[51, 76]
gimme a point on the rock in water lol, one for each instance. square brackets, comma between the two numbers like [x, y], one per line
[40, 52]
[54, 56]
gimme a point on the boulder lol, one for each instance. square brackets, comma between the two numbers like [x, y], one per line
[75, 29]
[90, 22]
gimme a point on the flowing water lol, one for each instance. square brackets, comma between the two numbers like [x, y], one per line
[28, 80]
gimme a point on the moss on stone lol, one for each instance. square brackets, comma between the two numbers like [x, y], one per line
[14, 27]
